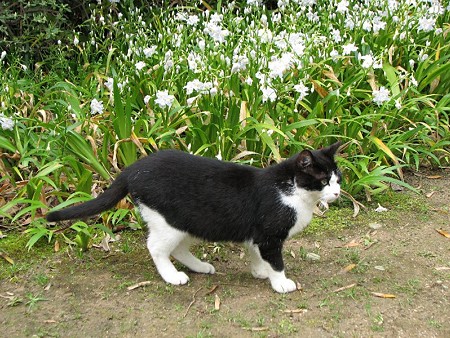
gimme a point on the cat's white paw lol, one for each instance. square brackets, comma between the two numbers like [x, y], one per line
[283, 285]
[178, 278]
[205, 268]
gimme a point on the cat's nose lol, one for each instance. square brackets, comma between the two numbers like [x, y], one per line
[336, 194]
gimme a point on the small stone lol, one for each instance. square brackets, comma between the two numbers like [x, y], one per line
[381, 208]
[375, 226]
[312, 256]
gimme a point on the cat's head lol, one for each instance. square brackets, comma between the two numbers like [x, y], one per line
[319, 172]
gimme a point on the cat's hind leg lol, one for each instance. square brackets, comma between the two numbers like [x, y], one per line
[182, 254]
[257, 265]
[162, 240]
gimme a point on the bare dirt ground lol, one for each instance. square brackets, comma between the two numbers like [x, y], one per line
[381, 274]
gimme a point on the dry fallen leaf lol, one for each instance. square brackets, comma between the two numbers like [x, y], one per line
[350, 244]
[442, 268]
[348, 268]
[7, 258]
[57, 246]
[256, 329]
[383, 295]
[214, 288]
[216, 303]
[434, 177]
[443, 233]
[430, 194]
[296, 311]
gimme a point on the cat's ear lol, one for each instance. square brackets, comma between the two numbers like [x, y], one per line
[332, 149]
[304, 159]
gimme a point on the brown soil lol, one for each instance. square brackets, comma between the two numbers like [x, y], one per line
[341, 293]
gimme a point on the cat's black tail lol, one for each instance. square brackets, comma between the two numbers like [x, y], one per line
[108, 199]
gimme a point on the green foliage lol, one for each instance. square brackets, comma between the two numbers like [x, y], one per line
[133, 79]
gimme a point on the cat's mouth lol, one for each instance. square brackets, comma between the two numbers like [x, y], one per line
[330, 198]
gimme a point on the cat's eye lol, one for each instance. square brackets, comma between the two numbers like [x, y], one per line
[324, 182]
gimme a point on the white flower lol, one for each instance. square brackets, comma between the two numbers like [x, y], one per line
[413, 81]
[164, 99]
[278, 66]
[367, 61]
[240, 63]
[398, 104]
[213, 91]
[282, 4]
[110, 84]
[268, 94]
[96, 107]
[334, 55]
[216, 32]
[336, 34]
[139, 65]
[75, 41]
[216, 18]
[302, 89]
[297, 42]
[349, 48]
[6, 122]
[367, 26]
[198, 86]
[265, 35]
[342, 7]
[190, 101]
[168, 61]
[201, 44]
[378, 24]
[423, 56]
[3, 55]
[350, 23]
[381, 96]
[426, 24]
[194, 60]
[146, 99]
[192, 20]
[149, 51]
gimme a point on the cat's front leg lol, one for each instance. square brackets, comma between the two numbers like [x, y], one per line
[271, 255]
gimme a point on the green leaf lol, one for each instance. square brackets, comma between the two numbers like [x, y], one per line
[391, 75]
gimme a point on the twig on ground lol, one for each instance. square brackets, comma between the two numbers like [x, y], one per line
[345, 287]
[138, 285]
[192, 302]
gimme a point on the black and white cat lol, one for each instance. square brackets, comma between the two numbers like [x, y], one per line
[184, 198]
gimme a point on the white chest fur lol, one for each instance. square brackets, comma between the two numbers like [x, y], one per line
[303, 203]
